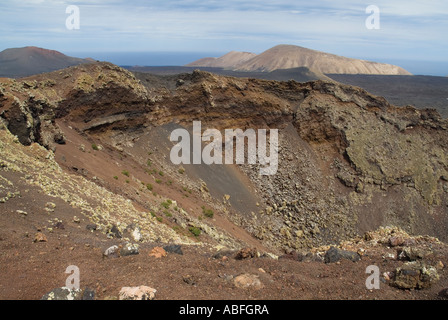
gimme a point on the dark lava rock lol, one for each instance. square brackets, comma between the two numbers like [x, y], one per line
[88, 294]
[335, 254]
[91, 227]
[415, 275]
[174, 248]
[115, 232]
[59, 225]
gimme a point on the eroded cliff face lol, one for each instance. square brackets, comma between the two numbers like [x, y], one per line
[352, 163]
[349, 161]
[83, 93]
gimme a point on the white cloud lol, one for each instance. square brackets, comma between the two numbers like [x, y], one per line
[251, 25]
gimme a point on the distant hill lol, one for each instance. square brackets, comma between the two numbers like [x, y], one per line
[289, 56]
[230, 60]
[21, 62]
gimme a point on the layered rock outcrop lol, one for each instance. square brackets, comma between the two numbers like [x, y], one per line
[349, 161]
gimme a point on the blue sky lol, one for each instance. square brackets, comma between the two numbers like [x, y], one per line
[409, 31]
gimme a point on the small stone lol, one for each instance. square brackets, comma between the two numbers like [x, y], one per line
[396, 241]
[246, 253]
[174, 248]
[129, 249]
[59, 138]
[389, 256]
[248, 281]
[40, 237]
[59, 225]
[111, 252]
[76, 219]
[136, 234]
[226, 277]
[50, 205]
[387, 276]
[91, 227]
[115, 232]
[88, 294]
[137, 293]
[24, 213]
[188, 279]
[158, 252]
